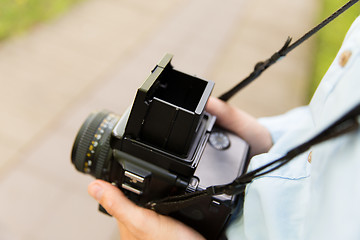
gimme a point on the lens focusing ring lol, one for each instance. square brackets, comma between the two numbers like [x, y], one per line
[102, 157]
[84, 139]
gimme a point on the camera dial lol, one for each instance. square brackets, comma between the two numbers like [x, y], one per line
[219, 140]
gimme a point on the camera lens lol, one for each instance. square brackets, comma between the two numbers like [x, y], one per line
[91, 150]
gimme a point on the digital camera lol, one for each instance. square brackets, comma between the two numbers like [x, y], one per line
[166, 144]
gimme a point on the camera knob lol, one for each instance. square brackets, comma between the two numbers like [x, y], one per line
[219, 140]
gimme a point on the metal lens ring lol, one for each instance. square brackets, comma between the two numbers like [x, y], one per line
[84, 138]
[99, 149]
[92, 143]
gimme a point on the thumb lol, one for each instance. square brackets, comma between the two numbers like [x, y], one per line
[112, 199]
[141, 223]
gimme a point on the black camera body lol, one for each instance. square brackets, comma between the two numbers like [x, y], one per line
[166, 145]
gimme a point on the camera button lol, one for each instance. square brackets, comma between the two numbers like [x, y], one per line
[219, 140]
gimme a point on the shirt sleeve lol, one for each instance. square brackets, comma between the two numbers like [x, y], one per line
[278, 125]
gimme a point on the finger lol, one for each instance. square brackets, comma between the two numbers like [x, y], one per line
[228, 116]
[139, 222]
[242, 124]
[218, 108]
[113, 200]
[221, 110]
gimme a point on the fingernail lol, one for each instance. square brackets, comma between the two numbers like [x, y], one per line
[96, 191]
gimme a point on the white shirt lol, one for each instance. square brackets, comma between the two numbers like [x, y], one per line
[317, 200]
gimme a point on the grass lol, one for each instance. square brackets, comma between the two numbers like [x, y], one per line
[17, 16]
[329, 39]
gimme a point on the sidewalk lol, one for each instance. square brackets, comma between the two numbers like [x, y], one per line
[95, 57]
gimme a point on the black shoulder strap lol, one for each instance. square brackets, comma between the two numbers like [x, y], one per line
[260, 67]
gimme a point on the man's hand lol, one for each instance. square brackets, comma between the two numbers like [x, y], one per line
[242, 124]
[135, 222]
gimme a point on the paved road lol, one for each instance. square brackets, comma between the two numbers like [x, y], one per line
[95, 57]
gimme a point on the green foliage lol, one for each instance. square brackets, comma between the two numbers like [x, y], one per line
[17, 16]
[329, 39]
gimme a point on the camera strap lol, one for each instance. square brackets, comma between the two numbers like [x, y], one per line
[345, 124]
[260, 67]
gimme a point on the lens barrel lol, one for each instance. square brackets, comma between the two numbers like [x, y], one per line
[91, 150]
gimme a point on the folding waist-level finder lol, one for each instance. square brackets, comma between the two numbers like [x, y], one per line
[168, 110]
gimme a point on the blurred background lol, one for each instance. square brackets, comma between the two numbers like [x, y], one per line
[60, 60]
